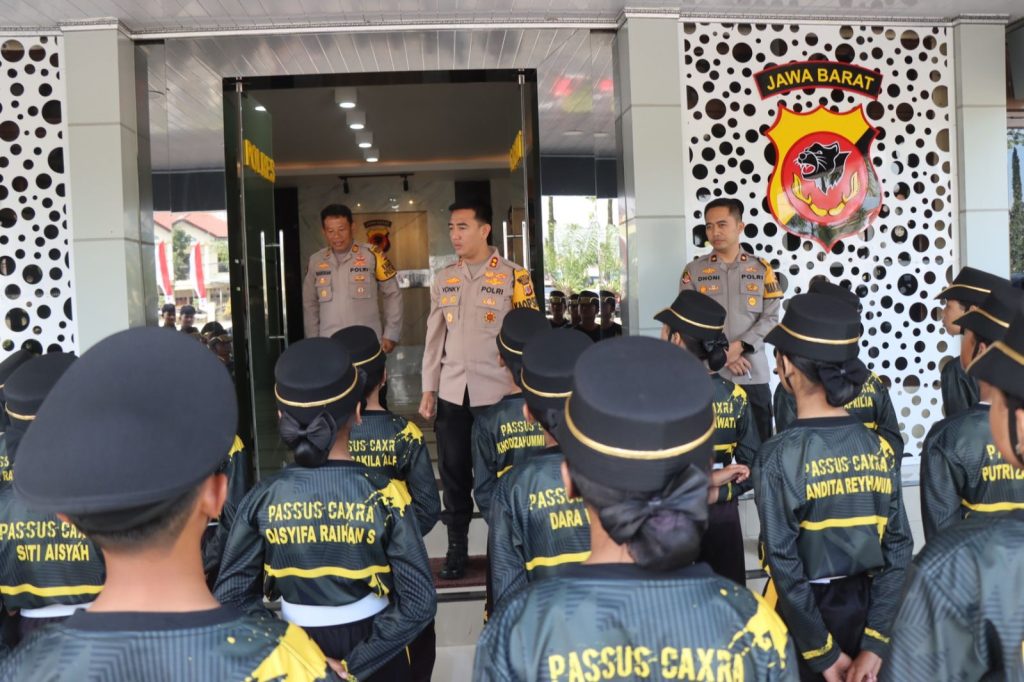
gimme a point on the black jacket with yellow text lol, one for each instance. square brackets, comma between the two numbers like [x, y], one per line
[501, 439]
[330, 536]
[221, 644]
[829, 502]
[736, 437]
[873, 407]
[239, 473]
[536, 528]
[394, 446]
[961, 616]
[963, 473]
[43, 560]
[622, 622]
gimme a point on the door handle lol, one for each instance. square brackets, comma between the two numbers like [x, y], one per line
[263, 269]
[284, 288]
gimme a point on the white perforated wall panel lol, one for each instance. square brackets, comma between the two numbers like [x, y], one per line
[902, 261]
[35, 262]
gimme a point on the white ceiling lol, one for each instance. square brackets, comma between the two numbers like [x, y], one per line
[174, 15]
[574, 72]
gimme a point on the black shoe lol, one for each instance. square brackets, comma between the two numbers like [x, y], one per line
[455, 561]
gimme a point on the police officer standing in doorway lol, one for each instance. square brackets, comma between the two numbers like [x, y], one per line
[750, 293]
[461, 374]
[344, 280]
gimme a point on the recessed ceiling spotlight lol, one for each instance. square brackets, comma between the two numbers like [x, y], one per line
[345, 97]
[260, 107]
[356, 119]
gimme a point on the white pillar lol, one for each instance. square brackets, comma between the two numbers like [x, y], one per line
[112, 252]
[649, 128]
[980, 67]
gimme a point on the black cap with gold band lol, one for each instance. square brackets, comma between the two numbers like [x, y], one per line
[814, 327]
[695, 315]
[1002, 363]
[517, 328]
[588, 297]
[27, 387]
[627, 424]
[363, 347]
[548, 361]
[7, 367]
[991, 318]
[317, 375]
[971, 286]
[556, 296]
[574, 299]
[822, 286]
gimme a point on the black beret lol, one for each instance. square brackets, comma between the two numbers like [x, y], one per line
[548, 361]
[316, 375]
[825, 288]
[27, 387]
[167, 308]
[587, 297]
[556, 296]
[11, 363]
[814, 327]
[992, 317]
[363, 347]
[188, 310]
[695, 315]
[518, 327]
[1002, 363]
[100, 442]
[627, 424]
[971, 286]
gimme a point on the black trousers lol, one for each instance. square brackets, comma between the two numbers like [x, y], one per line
[722, 545]
[423, 653]
[843, 605]
[760, 397]
[454, 429]
[338, 641]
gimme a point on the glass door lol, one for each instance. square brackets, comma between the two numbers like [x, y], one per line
[256, 247]
[523, 243]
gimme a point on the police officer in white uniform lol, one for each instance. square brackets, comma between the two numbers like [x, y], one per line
[751, 295]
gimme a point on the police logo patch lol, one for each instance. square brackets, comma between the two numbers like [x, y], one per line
[323, 293]
[490, 317]
[523, 277]
[528, 290]
[752, 301]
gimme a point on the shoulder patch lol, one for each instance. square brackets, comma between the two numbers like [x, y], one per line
[772, 288]
[385, 270]
[236, 447]
[411, 432]
[296, 657]
[523, 295]
[739, 392]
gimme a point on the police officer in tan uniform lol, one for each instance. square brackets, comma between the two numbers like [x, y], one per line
[344, 281]
[750, 293]
[461, 374]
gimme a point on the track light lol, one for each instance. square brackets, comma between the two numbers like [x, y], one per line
[344, 185]
[345, 97]
[356, 119]
[364, 138]
[405, 183]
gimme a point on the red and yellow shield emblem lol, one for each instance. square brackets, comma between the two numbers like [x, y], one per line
[824, 186]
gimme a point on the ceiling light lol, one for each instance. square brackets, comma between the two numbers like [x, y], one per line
[411, 202]
[260, 107]
[602, 135]
[572, 133]
[372, 154]
[345, 97]
[364, 138]
[356, 119]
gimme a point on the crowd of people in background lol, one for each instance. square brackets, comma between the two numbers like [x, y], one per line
[608, 471]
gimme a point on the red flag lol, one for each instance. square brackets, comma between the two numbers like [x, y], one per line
[164, 272]
[196, 274]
